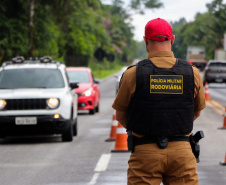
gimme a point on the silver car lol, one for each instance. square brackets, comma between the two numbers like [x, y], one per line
[215, 71]
[119, 77]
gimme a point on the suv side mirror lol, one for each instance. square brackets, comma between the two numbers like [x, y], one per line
[74, 85]
[96, 81]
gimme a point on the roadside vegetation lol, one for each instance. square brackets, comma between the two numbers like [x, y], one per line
[74, 30]
[104, 69]
[206, 30]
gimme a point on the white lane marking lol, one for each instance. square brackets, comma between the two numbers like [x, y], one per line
[103, 163]
[101, 166]
[94, 178]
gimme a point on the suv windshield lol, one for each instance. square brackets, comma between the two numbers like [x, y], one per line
[218, 64]
[78, 76]
[31, 78]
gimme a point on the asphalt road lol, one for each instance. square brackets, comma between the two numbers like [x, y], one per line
[89, 160]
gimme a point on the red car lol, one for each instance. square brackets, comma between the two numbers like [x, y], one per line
[88, 90]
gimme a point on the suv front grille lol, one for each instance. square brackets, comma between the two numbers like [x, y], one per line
[25, 104]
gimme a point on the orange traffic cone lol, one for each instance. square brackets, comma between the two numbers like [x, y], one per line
[121, 140]
[224, 124]
[113, 129]
[223, 163]
[207, 95]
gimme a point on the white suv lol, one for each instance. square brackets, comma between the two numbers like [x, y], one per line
[37, 98]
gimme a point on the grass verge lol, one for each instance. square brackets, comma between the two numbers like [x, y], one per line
[103, 69]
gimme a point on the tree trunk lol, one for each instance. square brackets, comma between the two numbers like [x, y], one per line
[31, 28]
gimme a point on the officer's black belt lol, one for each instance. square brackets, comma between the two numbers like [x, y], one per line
[148, 140]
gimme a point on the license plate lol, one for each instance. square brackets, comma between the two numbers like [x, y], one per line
[26, 121]
[219, 80]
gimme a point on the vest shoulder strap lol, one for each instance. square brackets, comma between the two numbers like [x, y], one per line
[183, 62]
[143, 62]
[179, 62]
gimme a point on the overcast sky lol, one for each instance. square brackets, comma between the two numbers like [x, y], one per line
[173, 10]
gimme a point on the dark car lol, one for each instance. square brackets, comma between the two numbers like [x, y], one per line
[88, 90]
[215, 71]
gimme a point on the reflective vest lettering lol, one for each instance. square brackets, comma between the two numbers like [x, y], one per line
[166, 84]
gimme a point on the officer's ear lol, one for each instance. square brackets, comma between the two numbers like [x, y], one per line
[145, 40]
[173, 39]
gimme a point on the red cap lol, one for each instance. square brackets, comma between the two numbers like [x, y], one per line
[158, 27]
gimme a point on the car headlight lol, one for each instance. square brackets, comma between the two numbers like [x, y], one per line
[87, 93]
[2, 104]
[52, 102]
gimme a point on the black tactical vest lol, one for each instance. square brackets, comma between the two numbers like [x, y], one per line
[163, 103]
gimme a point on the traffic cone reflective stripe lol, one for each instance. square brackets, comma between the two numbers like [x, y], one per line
[113, 129]
[207, 95]
[121, 140]
[121, 130]
[223, 163]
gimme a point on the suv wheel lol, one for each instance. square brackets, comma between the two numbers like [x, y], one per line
[75, 129]
[2, 136]
[67, 136]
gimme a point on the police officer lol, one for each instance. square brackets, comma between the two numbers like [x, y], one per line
[158, 100]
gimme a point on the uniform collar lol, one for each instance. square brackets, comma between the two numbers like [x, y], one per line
[160, 54]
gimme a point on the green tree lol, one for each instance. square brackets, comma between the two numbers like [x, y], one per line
[206, 30]
[61, 27]
[13, 28]
[140, 5]
[23, 35]
[218, 26]
[197, 33]
[119, 19]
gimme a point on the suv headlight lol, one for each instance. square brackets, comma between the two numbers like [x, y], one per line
[87, 93]
[53, 102]
[2, 104]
